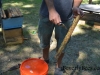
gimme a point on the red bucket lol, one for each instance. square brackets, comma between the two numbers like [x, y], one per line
[34, 66]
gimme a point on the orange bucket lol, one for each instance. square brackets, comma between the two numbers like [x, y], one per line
[34, 66]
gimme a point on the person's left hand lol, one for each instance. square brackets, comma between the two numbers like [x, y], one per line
[77, 11]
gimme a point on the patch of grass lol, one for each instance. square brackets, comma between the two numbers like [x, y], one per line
[29, 9]
[93, 1]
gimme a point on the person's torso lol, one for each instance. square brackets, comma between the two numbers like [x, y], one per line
[63, 7]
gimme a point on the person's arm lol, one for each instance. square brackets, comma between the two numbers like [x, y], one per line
[76, 9]
[54, 17]
[77, 3]
[50, 5]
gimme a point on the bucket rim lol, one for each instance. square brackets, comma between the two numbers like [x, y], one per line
[46, 70]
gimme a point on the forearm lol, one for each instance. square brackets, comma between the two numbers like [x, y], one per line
[54, 16]
[77, 3]
[50, 5]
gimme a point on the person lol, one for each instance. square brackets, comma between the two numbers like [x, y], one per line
[52, 14]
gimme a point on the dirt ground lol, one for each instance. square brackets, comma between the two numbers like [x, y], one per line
[82, 52]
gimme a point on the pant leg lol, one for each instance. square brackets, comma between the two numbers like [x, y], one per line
[60, 32]
[45, 30]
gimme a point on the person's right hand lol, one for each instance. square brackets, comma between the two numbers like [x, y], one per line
[77, 11]
[54, 17]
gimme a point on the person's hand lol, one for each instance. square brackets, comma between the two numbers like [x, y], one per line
[77, 11]
[54, 17]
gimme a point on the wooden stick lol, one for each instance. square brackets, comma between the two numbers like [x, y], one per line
[19, 12]
[3, 12]
[67, 37]
[14, 11]
[13, 15]
[9, 13]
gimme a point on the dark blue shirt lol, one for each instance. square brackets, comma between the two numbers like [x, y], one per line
[63, 7]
